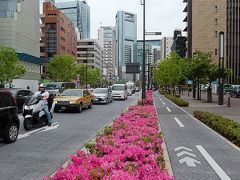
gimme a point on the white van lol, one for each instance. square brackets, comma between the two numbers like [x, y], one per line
[120, 91]
[130, 89]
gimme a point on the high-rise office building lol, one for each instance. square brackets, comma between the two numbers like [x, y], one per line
[166, 45]
[233, 40]
[126, 36]
[179, 43]
[20, 29]
[90, 52]
[58, 33]
[205, 19]
[79, 13]
[105, 37]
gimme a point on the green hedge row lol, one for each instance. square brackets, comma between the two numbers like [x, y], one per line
[177, 100]
[226, 127]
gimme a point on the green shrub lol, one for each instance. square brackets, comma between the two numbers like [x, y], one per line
[226, 127]
[177, 100]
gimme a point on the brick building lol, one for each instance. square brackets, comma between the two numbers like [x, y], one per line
[58, 35]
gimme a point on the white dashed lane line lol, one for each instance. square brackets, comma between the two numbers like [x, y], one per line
[169, 110]
[179, 122]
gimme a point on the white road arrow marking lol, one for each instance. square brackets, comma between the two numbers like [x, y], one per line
[181, 147]
[189, 161]
[212, 163]
[20, 136]
[179, 122]
[185, 152]
[169, 110]
[54, 126]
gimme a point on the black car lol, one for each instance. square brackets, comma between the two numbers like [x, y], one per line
[19, 95]
[235, 92]
[9, 121]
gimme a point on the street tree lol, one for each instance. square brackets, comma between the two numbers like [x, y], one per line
[10, 65]
[93, 75]
[62, 68]
[168, 72]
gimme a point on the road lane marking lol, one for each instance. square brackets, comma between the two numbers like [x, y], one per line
[169, 110]
[212, 163]
[164, 103]
[178, 121]
[185, 152]
[191, 162]
[181, 147]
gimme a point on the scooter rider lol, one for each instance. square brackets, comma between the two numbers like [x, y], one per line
[45, 94]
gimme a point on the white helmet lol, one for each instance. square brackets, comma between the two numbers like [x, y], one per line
[42, 86]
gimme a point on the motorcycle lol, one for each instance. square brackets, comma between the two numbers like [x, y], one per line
[33, 112]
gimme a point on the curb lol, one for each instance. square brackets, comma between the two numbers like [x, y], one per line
[93, 139]
[165, 151]
[223, 138]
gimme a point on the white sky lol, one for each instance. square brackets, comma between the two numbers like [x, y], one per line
[161, 15]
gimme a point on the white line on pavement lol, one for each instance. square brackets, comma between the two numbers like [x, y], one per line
[178, 121]
[213, 164]
[164, 103]
[169, 110]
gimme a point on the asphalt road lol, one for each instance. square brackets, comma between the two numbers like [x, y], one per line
[195, 151]
[39, 152]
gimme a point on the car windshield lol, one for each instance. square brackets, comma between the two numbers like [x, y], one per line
[100, 91]
[52, 86]
[72, 92]
[118, 88]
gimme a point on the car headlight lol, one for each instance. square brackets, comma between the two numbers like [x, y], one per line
[72, 102]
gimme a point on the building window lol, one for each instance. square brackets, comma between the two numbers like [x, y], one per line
[62, 38]
[216, 34]
[216, 52]
[216, 21]
[62, 29]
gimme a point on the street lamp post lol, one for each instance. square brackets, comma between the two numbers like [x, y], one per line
[221, 68]
[86, 68]
[144, 63]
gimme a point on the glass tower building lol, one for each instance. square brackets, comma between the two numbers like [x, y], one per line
[126, 37]
[79, 13]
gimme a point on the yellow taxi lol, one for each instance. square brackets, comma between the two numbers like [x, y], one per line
[73, 99]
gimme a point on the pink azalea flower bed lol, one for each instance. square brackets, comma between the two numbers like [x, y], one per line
[129, 149]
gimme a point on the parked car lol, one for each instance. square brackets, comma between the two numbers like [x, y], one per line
[19, 95]
[9, 121]
[56, 88]
[137, 89]
[103, 95]
[120, 91]
[73, 99]
[227, 88]
[235, 92]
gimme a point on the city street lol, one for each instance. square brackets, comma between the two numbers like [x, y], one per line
[195, 151]
[40, 152]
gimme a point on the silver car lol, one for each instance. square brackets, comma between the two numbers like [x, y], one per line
[102, 95]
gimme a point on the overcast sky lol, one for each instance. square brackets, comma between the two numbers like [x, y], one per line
[161, 15]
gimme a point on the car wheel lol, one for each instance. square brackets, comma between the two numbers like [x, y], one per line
[56, 110]
[80, 108]
[27, 124]
[90, 106]
[11, 133]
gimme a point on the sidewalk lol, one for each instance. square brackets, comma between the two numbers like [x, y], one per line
[232, 112]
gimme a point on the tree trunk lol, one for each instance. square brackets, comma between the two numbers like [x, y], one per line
[198, 89]
[209, 94]
[194, 89]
